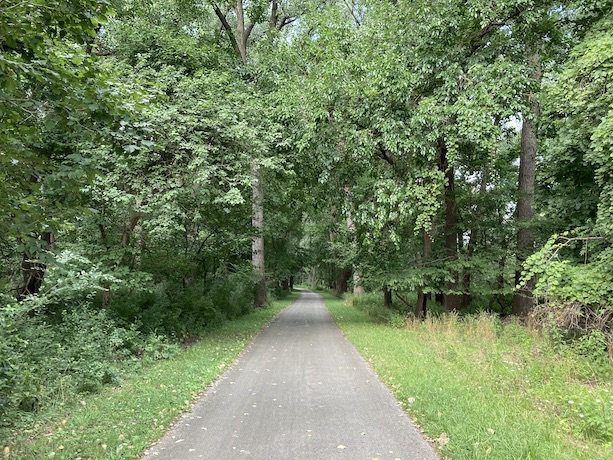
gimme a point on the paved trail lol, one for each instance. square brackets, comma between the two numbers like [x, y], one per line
[301, 391]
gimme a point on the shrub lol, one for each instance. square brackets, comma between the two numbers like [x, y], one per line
[372, 304]
[576, 297]
[232, 293]
[47, 358]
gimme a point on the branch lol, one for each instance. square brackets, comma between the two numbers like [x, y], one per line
[248, 31]
[351, 10]
[568, 240]
[404, 301]
[226, 26]
[201, 247]
[384, 156]
[287, 20]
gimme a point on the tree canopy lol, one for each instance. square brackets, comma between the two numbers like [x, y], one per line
[454, 156]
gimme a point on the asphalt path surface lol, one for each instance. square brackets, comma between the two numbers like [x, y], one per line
[300, 391]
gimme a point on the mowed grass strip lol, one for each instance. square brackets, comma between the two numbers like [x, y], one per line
[483, 390]
[121, 422]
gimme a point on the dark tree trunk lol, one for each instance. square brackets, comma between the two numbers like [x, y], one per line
[126, 237]
[358, 287]
[453, 301]
[342, 277]
[523, 300]
[421, 309]
[467, 277]
[291, 283]
[33, 270]
[387, 296]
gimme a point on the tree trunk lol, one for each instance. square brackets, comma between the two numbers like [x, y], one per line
[387, 296]
[274, 15]
[257, 247]
[467, 276]
[32, 270]
[523, 299]
[453, 301]
[313, 278]
[342, 276]
[285, 285]
[358, 287]
[126, 236]
[241, 32]
[421, 309]
[240, 44]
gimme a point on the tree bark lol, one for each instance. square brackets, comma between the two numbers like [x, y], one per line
[274, 17]
[342, 276]
[240, 44]
[257, 246]
[32, 270]
[358, 287]
[523, 300]
[387, 296]
[421, 309]
[312, 278]
[241, 32]
[453, 301]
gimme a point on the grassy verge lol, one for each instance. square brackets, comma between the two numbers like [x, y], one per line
[486, 390]
[120, 422]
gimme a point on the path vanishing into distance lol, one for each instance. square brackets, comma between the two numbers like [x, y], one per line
[300, 391]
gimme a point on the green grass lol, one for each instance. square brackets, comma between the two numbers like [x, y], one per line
[120, 422]
[481, 389]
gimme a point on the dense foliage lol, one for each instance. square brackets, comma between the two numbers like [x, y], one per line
[450, 155]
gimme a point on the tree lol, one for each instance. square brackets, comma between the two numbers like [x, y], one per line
[246, 19]
[56, 98]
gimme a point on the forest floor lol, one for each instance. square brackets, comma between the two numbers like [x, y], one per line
[300, 391]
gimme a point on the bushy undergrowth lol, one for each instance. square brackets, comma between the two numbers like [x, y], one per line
[44, 360]
[119, 422]
[70, 339]
[181, 312]
[371, 303]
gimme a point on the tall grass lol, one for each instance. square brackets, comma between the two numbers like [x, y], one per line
[483, 388]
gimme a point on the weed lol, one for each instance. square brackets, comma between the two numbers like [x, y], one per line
[494, 389]
[122, 420]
